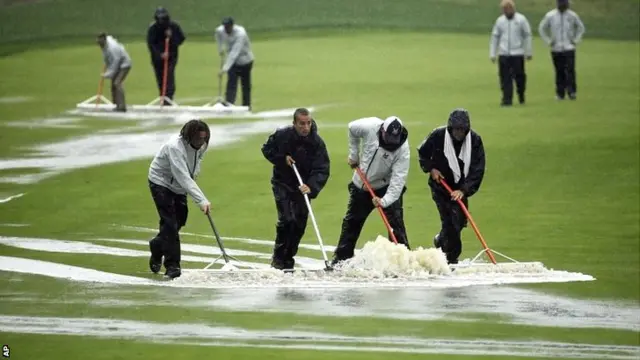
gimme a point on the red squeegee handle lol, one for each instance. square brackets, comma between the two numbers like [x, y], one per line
[384, 217]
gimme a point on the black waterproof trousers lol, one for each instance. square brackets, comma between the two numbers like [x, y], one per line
[452, 220]
[510, 69]
[358, 209]
[173, 211]
[158, 69]
[292, 222]
[564, 64]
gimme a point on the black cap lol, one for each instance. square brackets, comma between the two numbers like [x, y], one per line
[227, 21]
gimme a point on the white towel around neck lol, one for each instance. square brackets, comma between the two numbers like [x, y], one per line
[465, 155]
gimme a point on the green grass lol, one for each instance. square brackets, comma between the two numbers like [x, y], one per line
[561, 185]
[554, 169]
[77, 19]
[122, 349]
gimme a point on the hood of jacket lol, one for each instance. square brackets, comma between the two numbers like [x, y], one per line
[393, 147]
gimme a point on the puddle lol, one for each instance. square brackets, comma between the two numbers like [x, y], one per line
[206, 335]
[15, 99]
[441, 297]
[79, 247]
[519, 306]
[102, 149]
[56, 123]
[12, 197]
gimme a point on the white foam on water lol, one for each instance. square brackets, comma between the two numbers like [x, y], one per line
[207, 335]
[337, 279]
[15, 99]
[383, 264]
[271, 278]
[12, 197]
[382, 257]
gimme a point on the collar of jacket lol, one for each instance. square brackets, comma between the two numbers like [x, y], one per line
[309, 138]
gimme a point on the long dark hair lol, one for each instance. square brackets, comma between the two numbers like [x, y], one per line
[191, 129]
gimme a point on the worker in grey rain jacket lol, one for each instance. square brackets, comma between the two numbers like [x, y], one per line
[172, 176]
[117, 66]
[510, 44]
[562, 29]
[385, 161]
[239, 60]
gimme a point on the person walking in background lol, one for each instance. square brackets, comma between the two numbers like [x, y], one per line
[158, 31]
[510, 44]
[562, 29]
[117, 63]
[239, 61]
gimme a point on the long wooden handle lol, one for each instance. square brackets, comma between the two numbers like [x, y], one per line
[384, 217]
[473, 224]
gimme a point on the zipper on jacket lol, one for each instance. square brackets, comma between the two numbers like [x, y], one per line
[509, 37]
[369, 167]
[562, 31]
[195, 158]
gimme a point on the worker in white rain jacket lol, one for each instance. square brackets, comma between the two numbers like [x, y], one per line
[562, 30]
[510, 44]
[239, 61]
[172, 176]
[118, 64]
[385, 160]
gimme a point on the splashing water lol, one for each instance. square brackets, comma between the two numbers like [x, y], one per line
[383, 258]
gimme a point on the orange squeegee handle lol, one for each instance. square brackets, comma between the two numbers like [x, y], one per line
[384, 217]
[473, 224]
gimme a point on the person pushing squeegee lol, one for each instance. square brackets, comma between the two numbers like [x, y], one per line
[301, 168]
